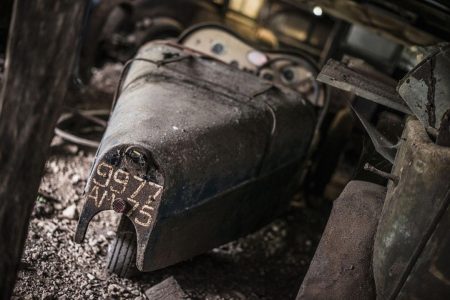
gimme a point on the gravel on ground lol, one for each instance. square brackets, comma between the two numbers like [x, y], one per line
[268, 264]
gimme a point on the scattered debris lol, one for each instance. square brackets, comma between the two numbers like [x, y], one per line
[43, 208]
[169, 289]
[70, 212]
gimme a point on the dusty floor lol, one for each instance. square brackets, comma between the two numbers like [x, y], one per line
[268, 264]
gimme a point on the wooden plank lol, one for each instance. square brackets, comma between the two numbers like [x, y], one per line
[40, 56]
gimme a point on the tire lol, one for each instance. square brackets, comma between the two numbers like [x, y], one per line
[121, 259]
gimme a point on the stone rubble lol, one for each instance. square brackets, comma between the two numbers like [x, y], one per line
[266, 265]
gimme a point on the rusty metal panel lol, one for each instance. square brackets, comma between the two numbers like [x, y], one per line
[410, 215]
[426, 89]
[430, 276]
[195, 157]
[368, 84]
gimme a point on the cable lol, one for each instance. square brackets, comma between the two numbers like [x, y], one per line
[76, 139]
[90, 115]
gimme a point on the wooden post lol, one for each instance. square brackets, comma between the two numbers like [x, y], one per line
[40, 55]
[5, 20]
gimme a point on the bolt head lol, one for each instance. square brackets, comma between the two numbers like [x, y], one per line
[120, 206]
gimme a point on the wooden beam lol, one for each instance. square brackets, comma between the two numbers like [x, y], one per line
[40, 56]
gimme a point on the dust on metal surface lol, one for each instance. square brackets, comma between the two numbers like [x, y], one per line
[365, 83]
[412, 211]
[211, 145]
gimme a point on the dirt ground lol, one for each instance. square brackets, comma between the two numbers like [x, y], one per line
[268, 264]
